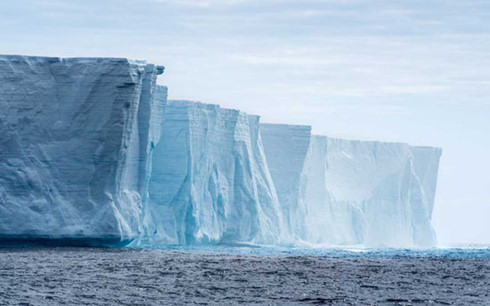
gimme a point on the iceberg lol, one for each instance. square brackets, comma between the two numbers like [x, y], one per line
[368, 193]
[73, 149]
[91, 152]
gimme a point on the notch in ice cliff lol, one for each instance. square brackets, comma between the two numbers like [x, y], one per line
[91, 151]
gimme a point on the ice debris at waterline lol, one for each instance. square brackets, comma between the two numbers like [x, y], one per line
[91, 153]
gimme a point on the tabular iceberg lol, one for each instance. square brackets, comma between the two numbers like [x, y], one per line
[73, 146]
[209, 180]
[353, 192]
[91, 151]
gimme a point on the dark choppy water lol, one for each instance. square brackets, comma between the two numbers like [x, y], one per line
[87, 276]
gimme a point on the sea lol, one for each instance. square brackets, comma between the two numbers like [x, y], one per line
[243, 275]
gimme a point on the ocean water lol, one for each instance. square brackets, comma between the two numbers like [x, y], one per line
[243, 275]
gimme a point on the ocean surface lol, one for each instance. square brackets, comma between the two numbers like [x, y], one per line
[247, 275]
[448, 252]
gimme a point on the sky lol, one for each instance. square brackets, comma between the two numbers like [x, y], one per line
[415, 71]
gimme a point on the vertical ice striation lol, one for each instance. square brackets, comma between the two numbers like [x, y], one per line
[210, 182]
[150, 117]
[353, 192]
[286, 147]
[72, 135]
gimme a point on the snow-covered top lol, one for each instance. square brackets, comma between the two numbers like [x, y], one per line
[202, 105]
[285, 125]
[375, 142]
[77, 60]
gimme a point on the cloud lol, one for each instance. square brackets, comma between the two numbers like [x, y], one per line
[201, 3]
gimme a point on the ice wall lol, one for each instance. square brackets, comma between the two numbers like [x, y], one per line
[353, 192]
[210, 182]
[73, 146]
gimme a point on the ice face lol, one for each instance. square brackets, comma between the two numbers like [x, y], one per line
[73, 146]
[353, 192]
[372, 194]
[209, 181]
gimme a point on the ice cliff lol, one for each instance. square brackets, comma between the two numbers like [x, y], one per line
[353, 192]
[210, 182]
[74, 146]
[90, 151]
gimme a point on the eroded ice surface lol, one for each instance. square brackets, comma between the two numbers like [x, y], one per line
[72, 146]
[210, 181]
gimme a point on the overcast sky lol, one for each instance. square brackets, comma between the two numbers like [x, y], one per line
[414, 71]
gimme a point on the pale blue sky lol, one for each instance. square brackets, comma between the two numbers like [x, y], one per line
[410, 71]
